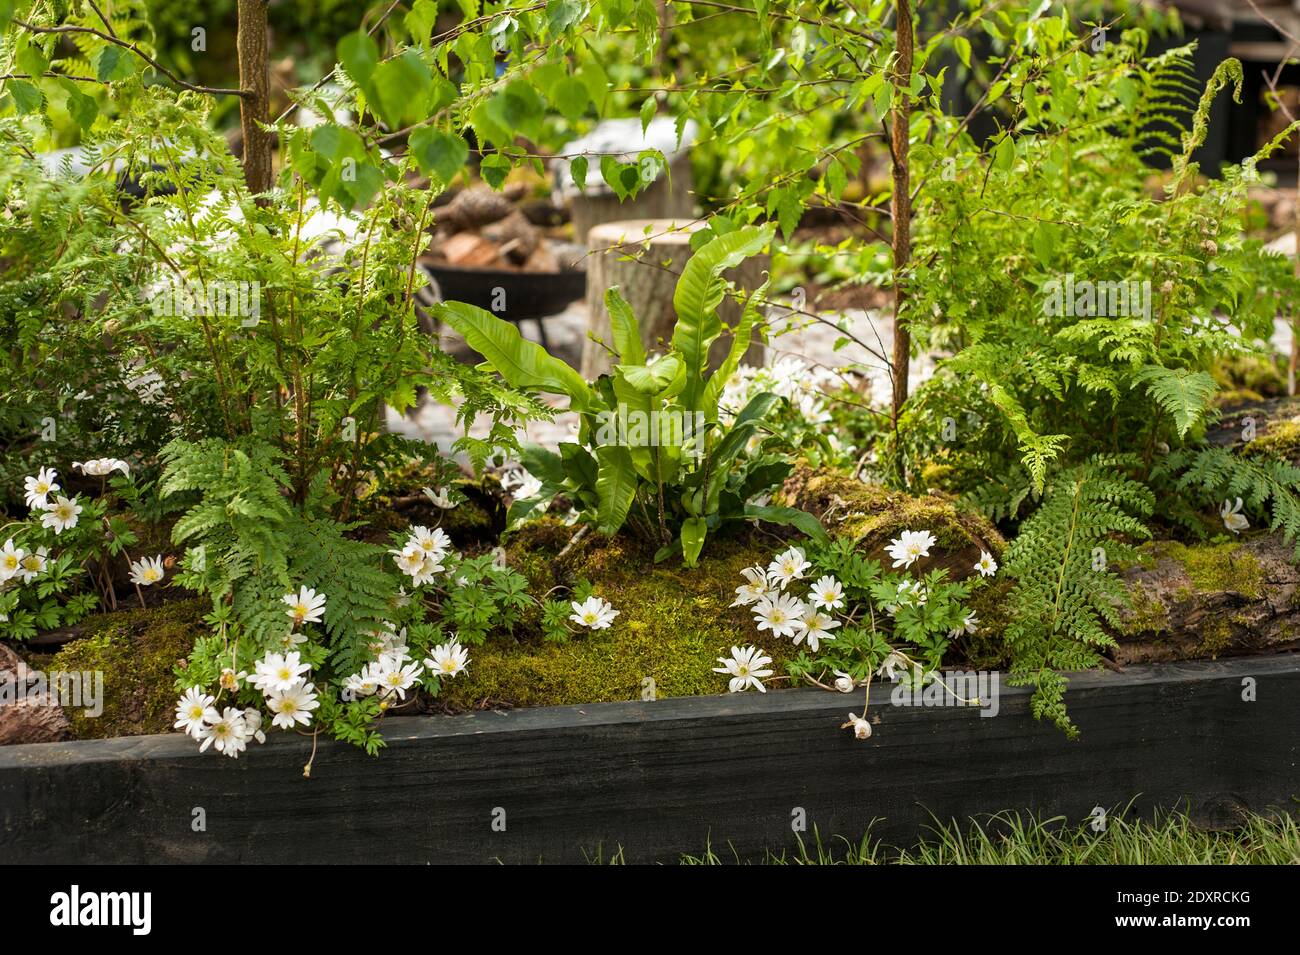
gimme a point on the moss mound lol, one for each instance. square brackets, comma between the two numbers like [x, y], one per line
[672, 626]
[137, 651]
[874, 515]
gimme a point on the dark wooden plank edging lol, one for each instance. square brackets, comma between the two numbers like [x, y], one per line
[664, 777]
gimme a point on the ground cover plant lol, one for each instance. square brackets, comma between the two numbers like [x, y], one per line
[203, 342]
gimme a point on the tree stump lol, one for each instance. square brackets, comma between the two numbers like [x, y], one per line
[644, 258]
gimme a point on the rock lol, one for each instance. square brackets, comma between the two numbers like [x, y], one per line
[27, 713]
[1209, 600]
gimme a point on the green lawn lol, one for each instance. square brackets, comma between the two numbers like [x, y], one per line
[1009, 838]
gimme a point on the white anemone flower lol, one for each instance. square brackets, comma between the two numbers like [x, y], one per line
[755, 590]
[360, 684]
[787, 567]
[293, 706]
[909, 547]
[890, 666]
[253, 725]
[447, 659]
[747, 667]
[394, 675]
[861, 728]
[814, 627]
[11, 560]
[36, 489]
[227, 734]
[844, 682]
[306, 606]
[435, 543]
[779, 613]
[193, 710]
[33, 565]
[1233, 519]
[521, 484]
[986, 565]
[279, 672]
[970, 624]
[102, 466]
[827, 593]
[594, 613]
[61, 515]
[147, 571]
[440, 497]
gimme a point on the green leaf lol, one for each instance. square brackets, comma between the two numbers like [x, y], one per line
[82, 108]
[578, 169]
[27, 98]
[741, 338]
[1004, 154]
[962, 46]
[1184, 395]
[792, 517]
[624, 327]
[653, 378]
[523, 363]
[570, 97]
[615, 486]
[623, 177]
[494, 168]
[694, 530]
[420, 21]
[401, 86]
[698, 294]
[113, 63]
[438, 154]
[359, 55]
[30, 59]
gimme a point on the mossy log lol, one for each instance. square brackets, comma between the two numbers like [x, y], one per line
[874, 515]
[138, 652]
[1208, 600]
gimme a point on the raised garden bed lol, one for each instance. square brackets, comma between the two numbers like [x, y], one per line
[668, 777]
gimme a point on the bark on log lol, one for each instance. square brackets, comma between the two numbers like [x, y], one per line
[1199, 602]
[646, 272]
[25, 716]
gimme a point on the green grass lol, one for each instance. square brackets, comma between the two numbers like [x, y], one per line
[1012, 839]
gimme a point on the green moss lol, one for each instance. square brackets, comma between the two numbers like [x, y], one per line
[1250, 374]
[137, 651]
[1221, 567]
[1146, 614]
[1216, 635]
[672, 626]
[1281, 440]
[985, 649]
